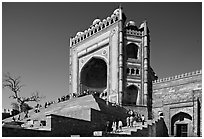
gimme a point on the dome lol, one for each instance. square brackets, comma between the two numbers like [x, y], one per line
[130, 23]
[116, 11]
[79, 33]
[96, 21]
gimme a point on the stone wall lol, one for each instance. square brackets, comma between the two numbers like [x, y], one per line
[178, 94]
[19, 132]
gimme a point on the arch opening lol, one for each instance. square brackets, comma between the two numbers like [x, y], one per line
[130, 96]
[182, 119]
[93, 76]
[132, 51]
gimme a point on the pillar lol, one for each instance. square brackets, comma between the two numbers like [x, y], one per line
[121, 67]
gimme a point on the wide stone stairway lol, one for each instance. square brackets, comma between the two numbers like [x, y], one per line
[149, 129]
[90, 110]
[72, 117]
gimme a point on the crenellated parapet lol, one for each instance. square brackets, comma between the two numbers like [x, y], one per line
[185, 75]
[133, 32]
[97, 26]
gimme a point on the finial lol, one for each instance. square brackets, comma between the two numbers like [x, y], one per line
[120, 6]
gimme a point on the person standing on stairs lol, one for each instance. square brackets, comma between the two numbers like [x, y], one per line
[120, 124]
[143, 119]
[128, 121]
[131, 120]
[114, 126]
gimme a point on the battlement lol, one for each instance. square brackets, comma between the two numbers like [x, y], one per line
[133, 32]
[97, 26]
[185, 75]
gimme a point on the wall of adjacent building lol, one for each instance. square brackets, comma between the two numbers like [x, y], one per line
[179, 94]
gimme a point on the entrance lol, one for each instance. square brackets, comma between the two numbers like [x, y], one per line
[93, 76]
[130, 96]
[181, 124]
[181, 130]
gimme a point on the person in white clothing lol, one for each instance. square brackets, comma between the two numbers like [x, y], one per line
[114, 126]
[120, 124]
[143, 119]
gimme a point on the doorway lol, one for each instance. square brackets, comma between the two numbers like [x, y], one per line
[181, 130]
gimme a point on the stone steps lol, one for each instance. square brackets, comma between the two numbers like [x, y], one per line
[138, 130]
[77, 108]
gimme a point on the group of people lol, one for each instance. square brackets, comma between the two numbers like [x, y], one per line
[88, 92]
[115, 126]
[37, 108]
[134, 117]
[48, 103]
[64, 98]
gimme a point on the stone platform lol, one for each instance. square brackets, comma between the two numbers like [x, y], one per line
[77, 116]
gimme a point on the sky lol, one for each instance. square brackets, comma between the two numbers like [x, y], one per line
[35, 40]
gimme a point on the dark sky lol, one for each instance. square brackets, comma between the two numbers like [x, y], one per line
[35, 39]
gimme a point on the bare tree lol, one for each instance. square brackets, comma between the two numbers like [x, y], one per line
[14, 84]
[15, 106]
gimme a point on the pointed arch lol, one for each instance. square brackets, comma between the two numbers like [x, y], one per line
[132, 51]
[130, 97]
[93, 75]
[181, 116]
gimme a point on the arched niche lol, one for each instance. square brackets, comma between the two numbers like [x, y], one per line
[132, 51]
[130, 96]
[93, 75]
[181, 124]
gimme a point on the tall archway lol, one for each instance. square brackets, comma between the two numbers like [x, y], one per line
[94, 76]
[130, 96]
[180, 124]
[132, 51]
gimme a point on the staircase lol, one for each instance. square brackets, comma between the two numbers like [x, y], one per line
[87, 108]
[139, 130]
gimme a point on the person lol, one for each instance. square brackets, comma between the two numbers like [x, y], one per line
[114, 126]
[19, 117]
[134, 123]
[45, 104]
[128, 121]
[74, 95]
[143, 119]
[26, 114]
[67, 97]
[13, 119]
[120, 124]
[107, 126]
[131, 121]
[116, 120]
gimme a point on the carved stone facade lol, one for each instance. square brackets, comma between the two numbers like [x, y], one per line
[112, 58]
[124, 48]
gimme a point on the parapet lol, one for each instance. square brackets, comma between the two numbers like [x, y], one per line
[97, 26]
[133, 32]
[185, 75]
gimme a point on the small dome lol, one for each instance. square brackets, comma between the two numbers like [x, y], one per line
[96, 21]
[104, 20]
[116, 11]
[79, 33]
[130, 23]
